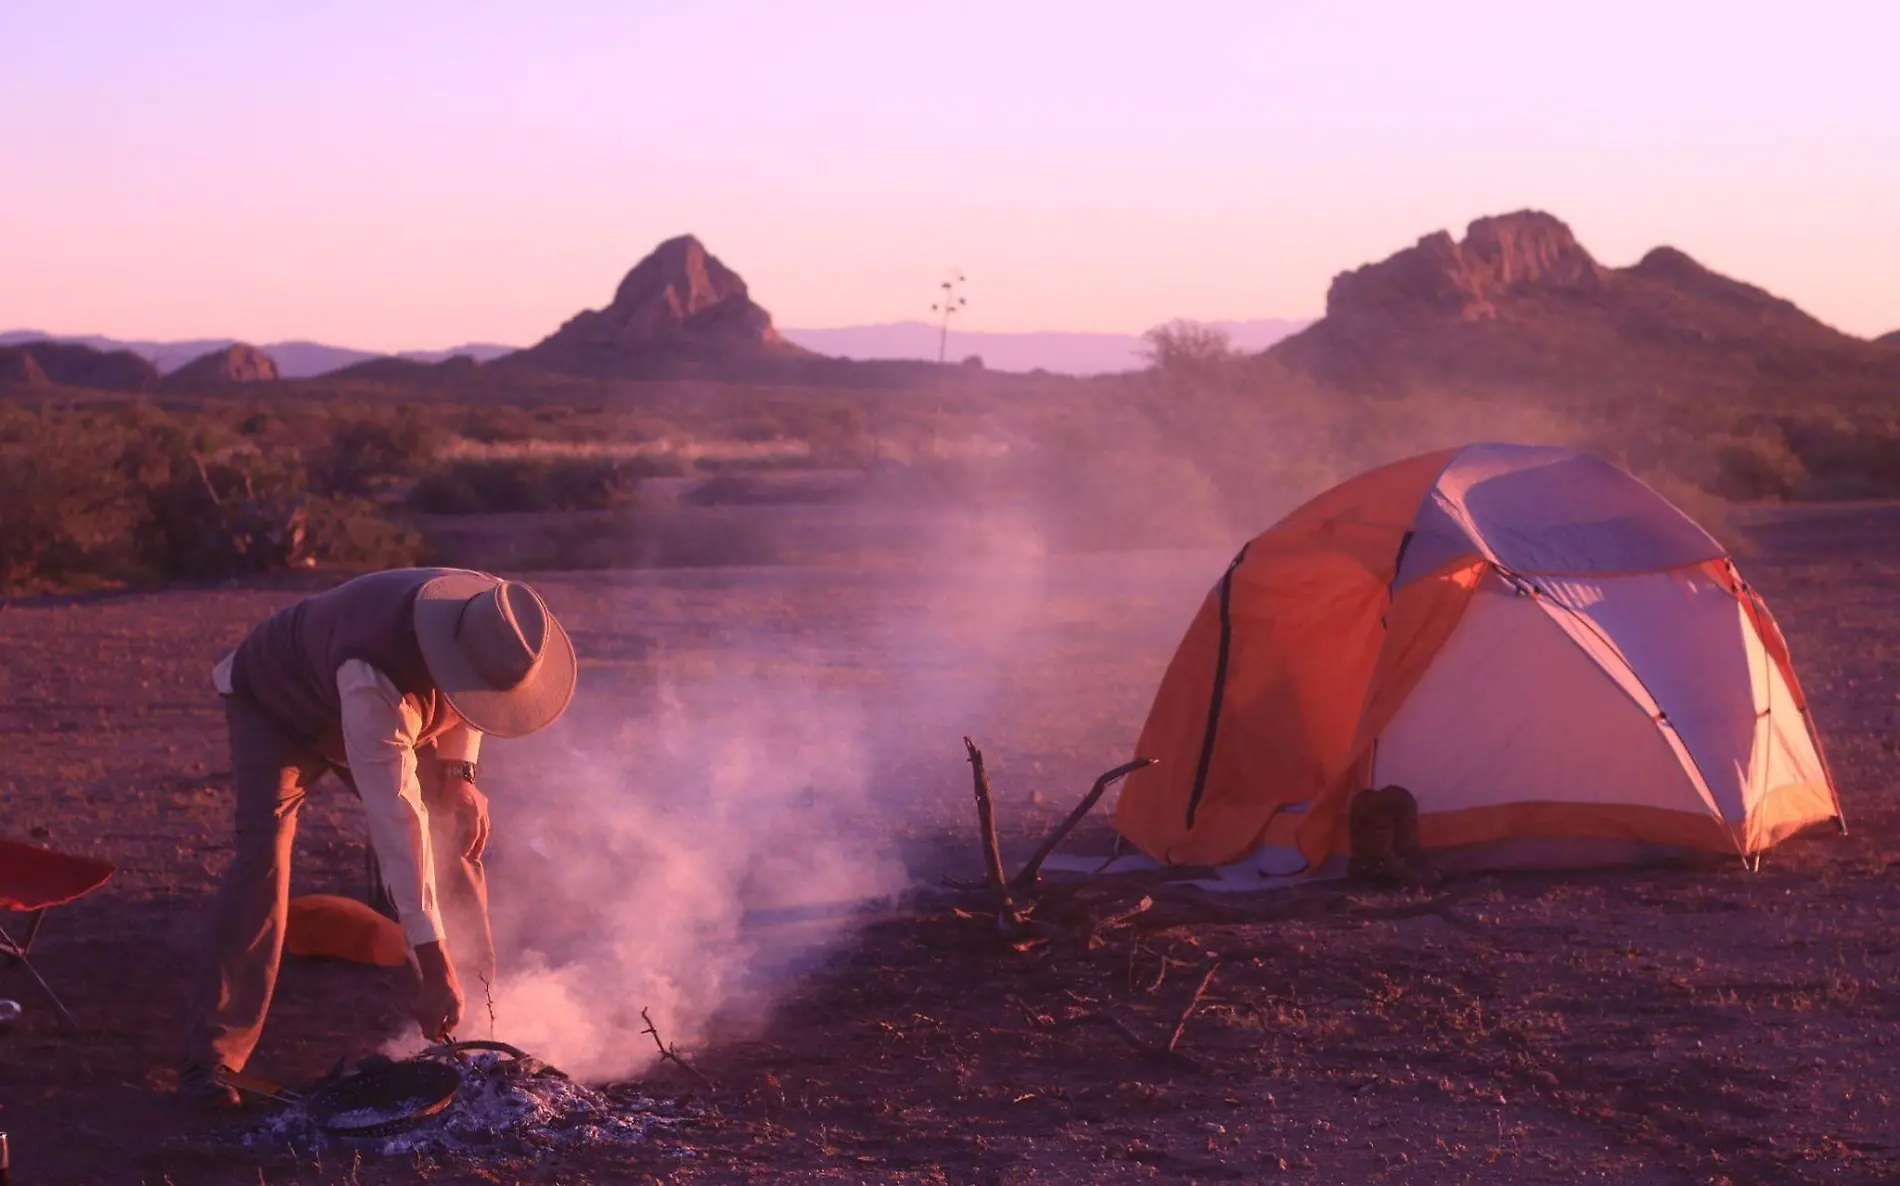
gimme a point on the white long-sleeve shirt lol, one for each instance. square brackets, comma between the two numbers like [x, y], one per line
[380, 731]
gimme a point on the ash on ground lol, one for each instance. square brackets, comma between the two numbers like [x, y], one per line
[499, 1108]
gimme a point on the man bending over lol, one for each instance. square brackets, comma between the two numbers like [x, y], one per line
[389, 680]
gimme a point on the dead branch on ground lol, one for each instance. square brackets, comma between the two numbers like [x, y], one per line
[1008, 918]
[1161, 973]
[1026, 880]
[1094, 927]
[669, 1054]
[1194, 1002]
[1164, 1053]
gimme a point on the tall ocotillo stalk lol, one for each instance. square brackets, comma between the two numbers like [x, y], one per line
[951, 301]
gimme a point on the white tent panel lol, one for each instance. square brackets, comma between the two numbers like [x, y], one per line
[1784, 750]
[1513, 711]
[1688, 642]
[1532, 508]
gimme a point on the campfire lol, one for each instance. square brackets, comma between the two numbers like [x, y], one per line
[466, 1097]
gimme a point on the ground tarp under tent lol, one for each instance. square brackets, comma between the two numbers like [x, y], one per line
[1560, 665]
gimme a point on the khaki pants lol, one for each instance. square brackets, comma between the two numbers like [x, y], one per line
[237, 972]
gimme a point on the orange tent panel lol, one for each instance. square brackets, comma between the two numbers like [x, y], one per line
[1260, 707]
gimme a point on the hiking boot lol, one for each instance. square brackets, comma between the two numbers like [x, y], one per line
[202, 1086]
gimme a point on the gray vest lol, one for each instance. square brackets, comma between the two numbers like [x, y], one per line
[287, 664]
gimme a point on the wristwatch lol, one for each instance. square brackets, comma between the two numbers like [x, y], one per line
[459, 769]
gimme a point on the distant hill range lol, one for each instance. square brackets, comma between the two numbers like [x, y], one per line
[294, 360]
[1519, 306]
[70, 364]
[680, 313]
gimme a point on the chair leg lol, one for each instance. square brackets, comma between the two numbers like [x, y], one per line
[17, 951]
[32, 930]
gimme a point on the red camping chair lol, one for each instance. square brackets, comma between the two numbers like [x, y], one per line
[33, 881]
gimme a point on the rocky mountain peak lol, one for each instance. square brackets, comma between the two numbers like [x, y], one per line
[1501, 254]
[1518, 305]
[680, 293]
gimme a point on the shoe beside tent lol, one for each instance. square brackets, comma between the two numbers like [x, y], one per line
[1559, 664]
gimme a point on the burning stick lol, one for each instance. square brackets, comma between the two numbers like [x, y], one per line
[1194, 1003]
[1026, 880]
[669, 1054]
[1007, 917]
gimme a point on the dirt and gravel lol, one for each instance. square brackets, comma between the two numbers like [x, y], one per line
[1706, 1025]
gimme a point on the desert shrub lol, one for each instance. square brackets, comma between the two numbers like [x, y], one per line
[760, 429]
[1755, 467]
[762, 462]
[363, 452]
[491, 485]
[499, 423]
[137, 493]
[1847, 458]
[259, 423]
[1186, 347]
[240, 514]
[62, 505]
[739, 488]
[356, 533]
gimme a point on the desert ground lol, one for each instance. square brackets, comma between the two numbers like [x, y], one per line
[1684, 1025]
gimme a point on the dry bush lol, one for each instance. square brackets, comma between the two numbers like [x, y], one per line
[61, 506]
[1757, 467]
[734, 487]
[1186, 347]
[360, 453]
[136, 493]
[501, 424]
[1846, 457]
[502, 485]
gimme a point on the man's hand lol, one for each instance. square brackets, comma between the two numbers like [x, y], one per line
[438, 1007]
[469, 808]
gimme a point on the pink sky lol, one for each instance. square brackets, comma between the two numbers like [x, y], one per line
[426, 173]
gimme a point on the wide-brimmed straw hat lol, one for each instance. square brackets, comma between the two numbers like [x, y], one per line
[495, 652]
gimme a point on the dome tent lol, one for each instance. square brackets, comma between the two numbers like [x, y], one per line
[1559, 664]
